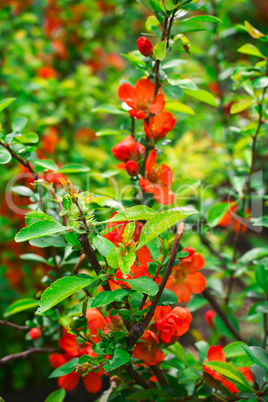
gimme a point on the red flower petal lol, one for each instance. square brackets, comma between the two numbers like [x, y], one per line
[68, 381]
[163, 194]
[197, 282]
[165, 175]
[146, 185]
[56, 360]
[216, 353]
[150, 162]
[145, 90]
[92, 382]
[127, 93]
[157, 104]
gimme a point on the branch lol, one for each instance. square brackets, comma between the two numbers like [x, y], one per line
[26, 353]
[138, 329]
[159, 374]
[79, 263]
[138, 378]
[214, 304]
[18, 327]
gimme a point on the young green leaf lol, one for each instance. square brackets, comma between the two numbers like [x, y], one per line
[56, 396]
[102, 245]
[5, 156]
[63, 288]
[229, 371]
[5, 103]
[160, 50]
[120, 357]
[107, 297]
[241, 105]
[201, 95]
[65, 368]
[143, 284]
[162, 222]
[216, 213]
[250, 49]
[20, 305]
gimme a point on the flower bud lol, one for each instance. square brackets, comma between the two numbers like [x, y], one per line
[132, 168]
[209, 318]
[35, 333]
[145, 46]
[121, 152]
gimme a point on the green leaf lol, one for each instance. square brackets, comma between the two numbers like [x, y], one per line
[31, 138]
[173, 91]
[66, 368]
[20, 305]
[112, 258]
[176, 79]
[216, 213]
[102, 245]
[33, 257]
[260, 82]
[191, 7]
[40, 228]
[120, 357]
[110, 131]
[201, 95]
[109, 109]
[159, 9]
[22, 190]
[56, 396]
[48, 241]
[241, 105]
[47, 164]
[128, 232]
[63, 288]
[143, 284]
[126, 261]
[183, 186]
[160, 50]
[5, 156]
[5, 103]
[161, 222]
[254, 254]
[255, 33]
[229, 371]
[173, 63]
[203, 18]
[248, 48]
[189, 375]
[137, 213]
[167, 298]
[257, 355]
[179, 107]
[18, 124]
[73, 168]
[107, 202]
[107, 297]
[234, 349]
[261, 274]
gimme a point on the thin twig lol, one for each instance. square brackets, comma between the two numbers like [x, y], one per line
[79, 263]
[214, 304]
[26, 353]
[18, 327]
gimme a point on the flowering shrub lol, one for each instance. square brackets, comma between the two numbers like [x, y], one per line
[120, 279]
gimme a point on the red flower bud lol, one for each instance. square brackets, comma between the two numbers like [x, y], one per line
[121, 152]
[209, 318]
[35, 333]
[132, 168]
[145, 46]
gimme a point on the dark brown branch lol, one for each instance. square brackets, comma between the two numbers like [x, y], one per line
[138, 329]
[18, 327]
[137, 378]
[132, 126]
[160, 376]
[214, 304]
[26, 353]
[89, 252]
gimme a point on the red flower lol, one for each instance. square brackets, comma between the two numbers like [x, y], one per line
[141, 98]
[209, 317]
[50, 140]
[159, 125]
[35, 333]
[132, 168]
[148, 351]
[47, 72]
[128, 149]
[216, 353]
[69, 345]
[174, 324]
[158, 180]
[145, 46]
[185, 279]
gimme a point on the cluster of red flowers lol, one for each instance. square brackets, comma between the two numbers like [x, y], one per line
[216, 353]
[167, 326]
[146, 102]
[68, 343]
